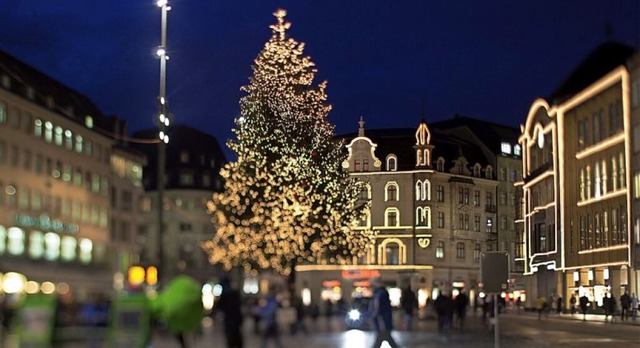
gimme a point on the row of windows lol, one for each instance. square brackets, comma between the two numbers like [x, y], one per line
[394, 253]
[36, 201]
[423, 192]
[423, 218]
[48, 246]
[362, 165]
[605, 176]
[594, 129]
[460, 251]
[53, 134]
[56, 169]
[603, 229]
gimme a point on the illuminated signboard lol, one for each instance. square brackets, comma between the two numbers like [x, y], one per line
[360, 274]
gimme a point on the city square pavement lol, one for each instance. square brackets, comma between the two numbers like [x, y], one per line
[516, 330]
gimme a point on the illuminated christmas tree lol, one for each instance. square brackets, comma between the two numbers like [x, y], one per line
[287, 199]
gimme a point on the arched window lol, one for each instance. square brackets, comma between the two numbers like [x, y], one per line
[419, 190]
[476, 170]
[365, 194]
[392, 254]
[391, 191]
[440, 250]
[392, 162]
[440, 164]
[418, 158]
[427, 189]
[476, 252]
[489, 172]
[427, 157]
[392, 217]
[423, 216]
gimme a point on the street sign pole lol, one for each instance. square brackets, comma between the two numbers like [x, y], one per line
[494, 272]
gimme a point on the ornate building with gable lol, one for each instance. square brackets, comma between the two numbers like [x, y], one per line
[433, 193]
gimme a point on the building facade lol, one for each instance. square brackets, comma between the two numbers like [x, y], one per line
[55, 184]
[578, 194]
[193, 163]
[433, 196]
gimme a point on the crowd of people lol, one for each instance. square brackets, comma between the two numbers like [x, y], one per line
[450, 312]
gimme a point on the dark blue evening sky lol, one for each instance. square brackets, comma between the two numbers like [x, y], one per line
[383, 60]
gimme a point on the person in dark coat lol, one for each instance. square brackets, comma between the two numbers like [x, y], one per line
[612, 306]
[559, 305]
[409, 304]
[625, 303]
[380, 312]
[461, 303]
[230, 305]
[584, 304]
[444, 309]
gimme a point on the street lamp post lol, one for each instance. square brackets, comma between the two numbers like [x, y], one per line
[163, 125]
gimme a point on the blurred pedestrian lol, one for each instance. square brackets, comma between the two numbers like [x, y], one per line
[299, 323]
[461, 303]
[444, 309]
[634, 306]
[625, 303]
[230, 304]
[584, 305]
[572, 303]
[612, 306]
[409, 304]
[269, 318]
[380, 312]
[559, 305]
[541, 305]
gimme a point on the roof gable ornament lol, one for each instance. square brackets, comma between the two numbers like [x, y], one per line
[423, 135]
[361, 127]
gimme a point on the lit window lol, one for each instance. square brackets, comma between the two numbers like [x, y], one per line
[68, 248]
[440, 250]
[505, 147]
[392, 252]
[3, 238]
[58, 136]
[88, 121]
[37, 128]
[517, 150]
[68, 139]
[79, 143]
[36, 245]
[86, 250]
[15, 241]
[52, 246]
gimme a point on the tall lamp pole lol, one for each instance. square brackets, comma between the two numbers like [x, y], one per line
[163, 125]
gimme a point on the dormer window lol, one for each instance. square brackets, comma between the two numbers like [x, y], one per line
[440, 164]
[517, 150]
[489, 172]
[392, 163]
[88, 121]
[505, 148]
[476, 170]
